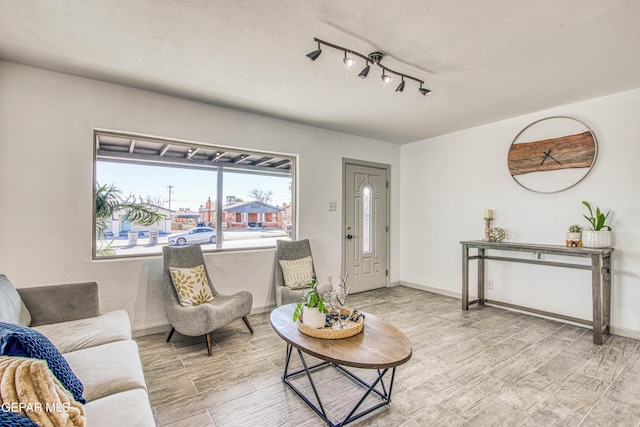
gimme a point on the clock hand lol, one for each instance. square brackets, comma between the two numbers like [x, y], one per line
[544, 158]
[548, 154]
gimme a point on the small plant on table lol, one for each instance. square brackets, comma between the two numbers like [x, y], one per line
[597, 219]
[311, 299]
[575, 228]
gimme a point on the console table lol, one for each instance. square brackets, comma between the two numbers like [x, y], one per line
[600, 277]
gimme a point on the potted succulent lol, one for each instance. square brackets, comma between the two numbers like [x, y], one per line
[600, 234]
[574, 235]
[311, 310]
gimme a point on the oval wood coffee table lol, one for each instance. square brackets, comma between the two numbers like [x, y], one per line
[379, 346]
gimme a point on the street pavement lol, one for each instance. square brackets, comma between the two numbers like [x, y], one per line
[232, 240]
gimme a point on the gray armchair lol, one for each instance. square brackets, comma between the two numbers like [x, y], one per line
[291, 250]
[204, 318]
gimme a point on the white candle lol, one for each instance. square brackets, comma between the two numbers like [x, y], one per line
[488, 213]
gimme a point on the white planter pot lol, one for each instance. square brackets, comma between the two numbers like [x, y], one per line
[313, 317]
[574, 237]
[596, 239]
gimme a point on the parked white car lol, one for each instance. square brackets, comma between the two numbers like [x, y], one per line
[195, 235]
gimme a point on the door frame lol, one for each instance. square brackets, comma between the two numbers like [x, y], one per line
[387, 168]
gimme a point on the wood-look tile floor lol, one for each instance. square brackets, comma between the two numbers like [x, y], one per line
[484, 367]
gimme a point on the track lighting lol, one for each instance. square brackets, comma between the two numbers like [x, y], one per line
[348, 61]
[424, 90]
[314, 55]
[365, 71]
[375, 58]
[386, 77]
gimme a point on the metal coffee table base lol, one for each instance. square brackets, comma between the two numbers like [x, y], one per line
[381, 392]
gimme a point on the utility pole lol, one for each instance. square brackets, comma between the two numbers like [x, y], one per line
[170, 187]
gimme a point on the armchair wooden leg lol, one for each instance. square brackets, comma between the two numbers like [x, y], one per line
[208, 338]
[171, 334]
[246, 322]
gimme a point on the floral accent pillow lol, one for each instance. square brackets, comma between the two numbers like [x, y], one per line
[297, 273]
[191, 285]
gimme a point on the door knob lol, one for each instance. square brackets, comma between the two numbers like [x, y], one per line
[349, 236]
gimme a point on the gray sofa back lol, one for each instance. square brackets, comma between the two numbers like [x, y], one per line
[12, 309]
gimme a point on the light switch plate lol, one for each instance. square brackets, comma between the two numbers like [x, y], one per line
[333, 206]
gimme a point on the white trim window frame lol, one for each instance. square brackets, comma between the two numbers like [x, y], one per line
[128, 160]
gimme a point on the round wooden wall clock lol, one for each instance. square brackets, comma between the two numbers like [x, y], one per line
[552, 154]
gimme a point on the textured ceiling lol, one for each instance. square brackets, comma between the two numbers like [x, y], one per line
[483, 60]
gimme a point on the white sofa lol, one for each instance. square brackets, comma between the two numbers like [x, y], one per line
[97, 346]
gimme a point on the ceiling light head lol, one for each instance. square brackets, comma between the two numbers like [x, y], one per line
[314, 55]
[348, 61]
[386, 77]
[400, 87]
[365, 72]
[423, 90]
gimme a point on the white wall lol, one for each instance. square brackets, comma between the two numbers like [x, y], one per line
[46, 123]
[448, 181]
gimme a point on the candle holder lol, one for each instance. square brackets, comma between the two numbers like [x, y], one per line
[487, 229]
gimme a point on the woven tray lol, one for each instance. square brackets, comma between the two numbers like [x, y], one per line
[332, 334]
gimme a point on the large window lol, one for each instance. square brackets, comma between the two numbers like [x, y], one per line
[151, 192]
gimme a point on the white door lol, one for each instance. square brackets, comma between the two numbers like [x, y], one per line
[365, 248]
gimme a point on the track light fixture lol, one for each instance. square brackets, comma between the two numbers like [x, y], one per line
[348, 61]
[314, 55]
[374, 58]
[424, 90]
[386, 77]
[365, 71]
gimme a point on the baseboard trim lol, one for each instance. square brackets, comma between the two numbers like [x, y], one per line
[263, 309]
[615, 330]
[625, 332]
[150, 330]
[165, 327]
[439, 291]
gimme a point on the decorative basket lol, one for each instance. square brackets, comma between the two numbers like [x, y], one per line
[353, 328]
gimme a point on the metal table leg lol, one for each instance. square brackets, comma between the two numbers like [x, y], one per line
[383, 394]
[465, 277]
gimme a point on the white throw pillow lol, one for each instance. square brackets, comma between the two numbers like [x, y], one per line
[298, 272]
[191, 285]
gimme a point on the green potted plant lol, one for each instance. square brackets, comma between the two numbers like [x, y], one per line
[574, 235]
[311, 308]
[599, 236]
[110, 200]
